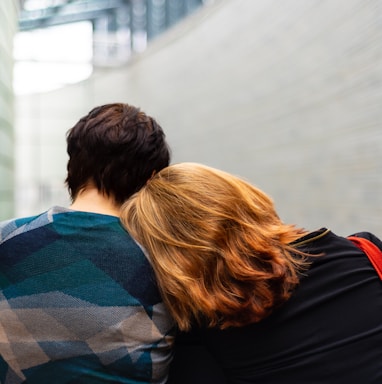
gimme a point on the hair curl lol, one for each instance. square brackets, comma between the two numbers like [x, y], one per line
[220, 252]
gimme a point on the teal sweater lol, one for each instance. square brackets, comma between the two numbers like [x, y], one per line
[79, 303]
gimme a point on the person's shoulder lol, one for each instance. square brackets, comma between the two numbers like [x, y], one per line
[6, 228]
[9, 227]
[369, 236]
[12, 227]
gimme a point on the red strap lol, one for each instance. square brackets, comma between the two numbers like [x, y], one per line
[371, 250]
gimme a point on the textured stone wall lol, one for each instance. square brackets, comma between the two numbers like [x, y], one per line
[287, 94]
[8, 23]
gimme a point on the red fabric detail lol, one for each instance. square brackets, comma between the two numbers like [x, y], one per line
[371, 250]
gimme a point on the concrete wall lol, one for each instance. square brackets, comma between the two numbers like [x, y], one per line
[8, 23]
[286, 93]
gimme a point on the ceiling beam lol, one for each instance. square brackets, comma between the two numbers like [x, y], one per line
[71, 11]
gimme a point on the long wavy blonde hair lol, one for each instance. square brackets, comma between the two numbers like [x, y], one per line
[219, 250]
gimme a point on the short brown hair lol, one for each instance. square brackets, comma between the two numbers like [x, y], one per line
[116, 147]
[218, 247]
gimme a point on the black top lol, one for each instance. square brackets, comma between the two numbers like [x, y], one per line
[329, 331]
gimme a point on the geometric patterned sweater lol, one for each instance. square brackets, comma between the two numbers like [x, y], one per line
[79, 303]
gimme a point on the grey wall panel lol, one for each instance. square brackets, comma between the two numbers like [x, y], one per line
[286, 93]
[8, 23]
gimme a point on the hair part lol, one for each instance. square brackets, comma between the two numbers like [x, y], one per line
[116, 148]
[220, 252]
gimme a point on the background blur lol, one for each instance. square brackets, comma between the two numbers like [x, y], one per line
[285, 93]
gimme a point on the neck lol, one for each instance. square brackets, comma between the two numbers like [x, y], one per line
[91, 200]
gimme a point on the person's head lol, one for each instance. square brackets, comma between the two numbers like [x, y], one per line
[218, 247]
[115, 148]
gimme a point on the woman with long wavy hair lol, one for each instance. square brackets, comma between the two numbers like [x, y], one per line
[273, 303]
